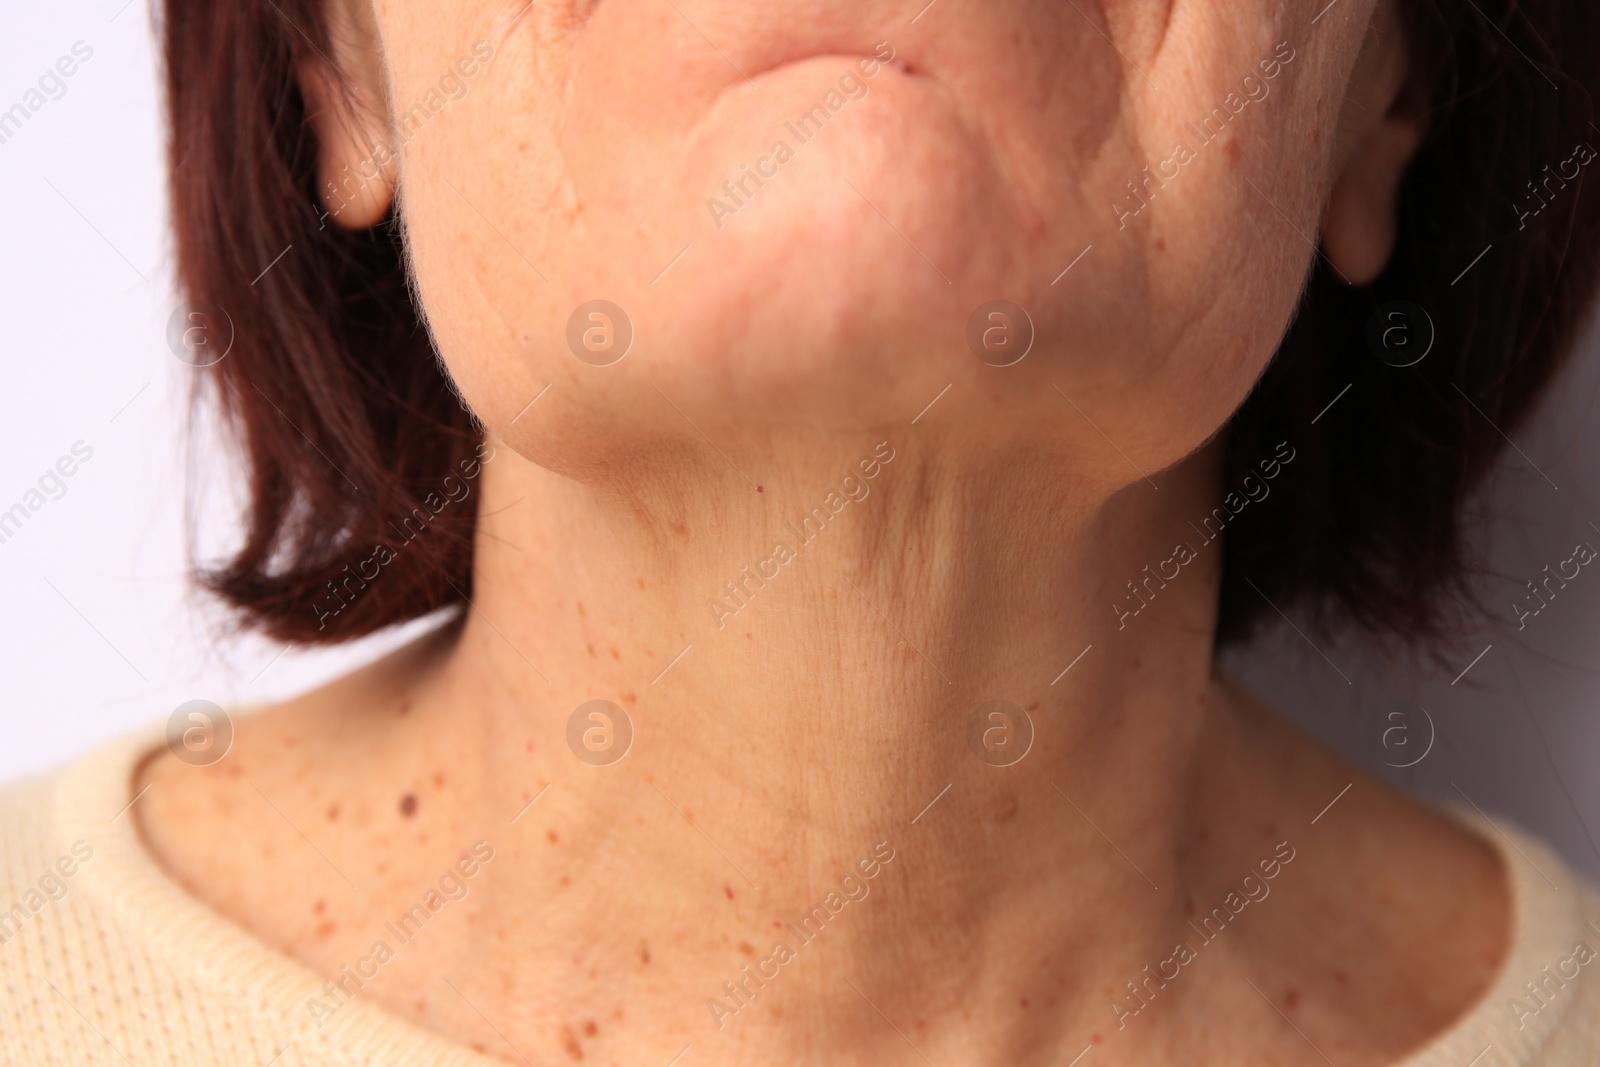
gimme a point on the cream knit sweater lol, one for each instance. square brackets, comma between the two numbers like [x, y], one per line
[104, 959]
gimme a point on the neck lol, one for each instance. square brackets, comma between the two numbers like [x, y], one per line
[805, 667]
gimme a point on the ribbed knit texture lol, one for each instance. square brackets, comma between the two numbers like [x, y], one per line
[124, 967]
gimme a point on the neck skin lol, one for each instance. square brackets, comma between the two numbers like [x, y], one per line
[821, 734]
[820, 722]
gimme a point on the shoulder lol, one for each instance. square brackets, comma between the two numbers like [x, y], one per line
[1542, 1008]
[305, 790]
[63, 959]
[38, 864]
[105, 958]
[1460, 932]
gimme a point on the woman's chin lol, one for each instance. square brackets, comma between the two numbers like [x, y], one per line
[816, 256]
[789, 175]
[831, 256]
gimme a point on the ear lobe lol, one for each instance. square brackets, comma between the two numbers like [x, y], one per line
[1359, 230]
[1380, 127]
[357, 165]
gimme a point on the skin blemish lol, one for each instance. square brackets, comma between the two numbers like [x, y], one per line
[408, 805]
[552, 837]
[333, 812]
[615, 654]
[747, 948]
[1230, 152]
[728, 889]
[324, 929]
[404, 708]
[569, 1042]
[438, 780]
[319, 906]
[566, 881]
[1291, 999]
[644, 953]
[629, 698]
[590, 1028]
[1007, 810]
[1024, 1003]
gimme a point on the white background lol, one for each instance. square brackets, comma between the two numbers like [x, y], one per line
[98, 632]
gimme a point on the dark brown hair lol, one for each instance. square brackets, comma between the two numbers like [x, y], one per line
[1499, 249]
[350, 427]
